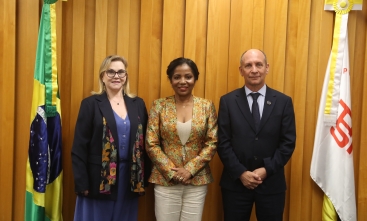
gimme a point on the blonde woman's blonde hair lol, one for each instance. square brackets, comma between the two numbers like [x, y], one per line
[104, 67]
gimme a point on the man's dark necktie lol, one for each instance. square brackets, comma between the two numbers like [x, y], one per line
[255, 110]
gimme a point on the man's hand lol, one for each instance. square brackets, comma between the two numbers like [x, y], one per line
[261, 172]
[250, 180]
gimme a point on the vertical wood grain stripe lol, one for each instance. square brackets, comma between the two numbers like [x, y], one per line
[200, 52]
[258, 24]
[7, 109]
[100, 38]
[123, 28]
[172, 39]
[217, 49]
[237, 44]
[298, 92]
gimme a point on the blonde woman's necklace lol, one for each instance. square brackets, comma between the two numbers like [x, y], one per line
[118, 103]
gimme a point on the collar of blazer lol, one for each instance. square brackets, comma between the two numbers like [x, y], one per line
[168, 105]
[107, 112]
[270, 99]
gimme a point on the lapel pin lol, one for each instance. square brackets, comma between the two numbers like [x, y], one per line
[268, 102]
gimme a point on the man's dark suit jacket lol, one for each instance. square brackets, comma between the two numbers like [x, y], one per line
[241, 148]
[86, 152]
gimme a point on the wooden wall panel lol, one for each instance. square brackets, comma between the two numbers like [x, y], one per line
[150, 51]
[172, 39]
[218, 33]
[80, 85]
[240, 40]
[112, 14]
[217, 49]
[317, 28]
[7, 107]
[124, 28]
[359, 93]
[191, 18]
[299, 94]
[195, 39]
[27, 25]
[128, 38]
[90, 68]
[258, 23]
[134, 46]
[100, 32]
[66, 95]
[276, 21]
[75, 83]
[149, 73]
[295, 35]
[361, 168]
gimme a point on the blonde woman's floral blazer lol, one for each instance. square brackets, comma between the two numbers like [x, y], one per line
[164, 146]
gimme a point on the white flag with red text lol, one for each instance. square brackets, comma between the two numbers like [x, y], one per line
[332, 160]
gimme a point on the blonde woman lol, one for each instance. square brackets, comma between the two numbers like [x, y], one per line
[108, 149]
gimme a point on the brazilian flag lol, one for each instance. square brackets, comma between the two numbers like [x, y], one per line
[44, 165]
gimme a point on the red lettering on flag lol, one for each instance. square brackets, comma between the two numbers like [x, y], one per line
[343, 138]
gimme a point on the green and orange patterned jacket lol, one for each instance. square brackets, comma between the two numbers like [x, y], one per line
[164, 146]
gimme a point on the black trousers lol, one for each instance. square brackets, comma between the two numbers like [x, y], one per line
[238, 205]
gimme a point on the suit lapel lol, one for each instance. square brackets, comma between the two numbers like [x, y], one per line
[196, 120]
[171, 114]
[243, 105]
[107, 113]
[269, 104]
[132, 111]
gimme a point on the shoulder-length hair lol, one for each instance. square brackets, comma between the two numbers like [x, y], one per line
[104, 67]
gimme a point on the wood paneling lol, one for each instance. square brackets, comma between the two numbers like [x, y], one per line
[27, 25]
[172, 39]
[7, 107]
[295, 35]
[217, 49]
[150, 51]
[195, 39]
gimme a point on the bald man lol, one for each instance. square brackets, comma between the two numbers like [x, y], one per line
[256, 138]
